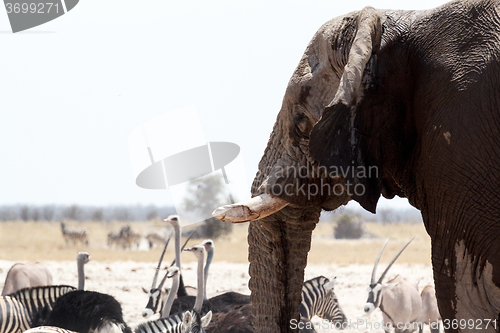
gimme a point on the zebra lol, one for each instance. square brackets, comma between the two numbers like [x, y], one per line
[35, 299]
[130, 237]
[74, 235]
[114, 238]
[125, 237]
[13, 316]
[319, 299]
[18, 309]
[185, 322]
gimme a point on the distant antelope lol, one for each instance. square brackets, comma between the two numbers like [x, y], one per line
[154, 238]
[430, 313]
[74, 235]
[398, 299]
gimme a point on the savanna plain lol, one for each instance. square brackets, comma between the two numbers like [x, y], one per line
[123, 273]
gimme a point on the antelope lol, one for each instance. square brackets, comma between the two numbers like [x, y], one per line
[430, 312]
[398, 299]
[32, 274]
[154, 239]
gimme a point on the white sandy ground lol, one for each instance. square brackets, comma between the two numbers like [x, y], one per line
[124, 280]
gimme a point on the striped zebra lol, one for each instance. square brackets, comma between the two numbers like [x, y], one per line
[18, 309]
[36, 298]
[114, 238]
[125, 238]
[74, 235]
[185, 322]
[13, 316]
[319, 299]
[48, 329]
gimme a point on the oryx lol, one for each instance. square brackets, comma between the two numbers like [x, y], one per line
[430, 312]
[398, 299]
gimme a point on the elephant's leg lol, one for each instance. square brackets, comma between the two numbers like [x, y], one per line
[278, 247]
[466, 289]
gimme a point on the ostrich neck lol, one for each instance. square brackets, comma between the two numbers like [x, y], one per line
[210, 256]
[177, 230]
[81, 275]
[171, 296]
[200, 292]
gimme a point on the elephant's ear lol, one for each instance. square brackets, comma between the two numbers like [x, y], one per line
[334, 140]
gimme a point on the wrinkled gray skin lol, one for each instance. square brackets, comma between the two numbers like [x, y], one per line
[415, 94]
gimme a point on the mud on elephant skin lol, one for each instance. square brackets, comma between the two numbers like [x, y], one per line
[409, 100]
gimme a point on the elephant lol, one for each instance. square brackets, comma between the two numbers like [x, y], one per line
[392, 103]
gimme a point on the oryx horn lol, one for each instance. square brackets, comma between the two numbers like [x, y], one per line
[393, 260]
[376, 262]
[159, 263]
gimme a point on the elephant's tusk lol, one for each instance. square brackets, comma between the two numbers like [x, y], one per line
[256, 208]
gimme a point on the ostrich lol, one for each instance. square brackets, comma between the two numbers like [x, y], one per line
[81, 259]
[175, 221]
[32, 274]
[86, 311]
[185, 303]
[226, 301]
[318, 299]
[220, 303]
[189, 321]
[157, 295]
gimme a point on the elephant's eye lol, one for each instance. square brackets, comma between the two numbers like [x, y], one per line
[302, 124]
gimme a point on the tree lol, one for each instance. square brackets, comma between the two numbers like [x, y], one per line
[349, 227]
[24, 213]
[73, 212]
[203, 196]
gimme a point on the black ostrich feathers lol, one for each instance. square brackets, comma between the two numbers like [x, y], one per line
[87, 312]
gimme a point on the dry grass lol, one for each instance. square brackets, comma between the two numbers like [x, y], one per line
[25, 241]
[326, 249]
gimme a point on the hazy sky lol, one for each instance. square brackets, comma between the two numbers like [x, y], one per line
[75, 88]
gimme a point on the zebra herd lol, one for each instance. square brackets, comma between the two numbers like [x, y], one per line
[125, 238]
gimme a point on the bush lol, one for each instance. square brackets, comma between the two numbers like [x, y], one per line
[349, 227]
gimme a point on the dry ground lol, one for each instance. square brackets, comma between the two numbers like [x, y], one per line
[123, 273]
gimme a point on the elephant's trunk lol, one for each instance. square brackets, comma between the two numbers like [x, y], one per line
[278, 247]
